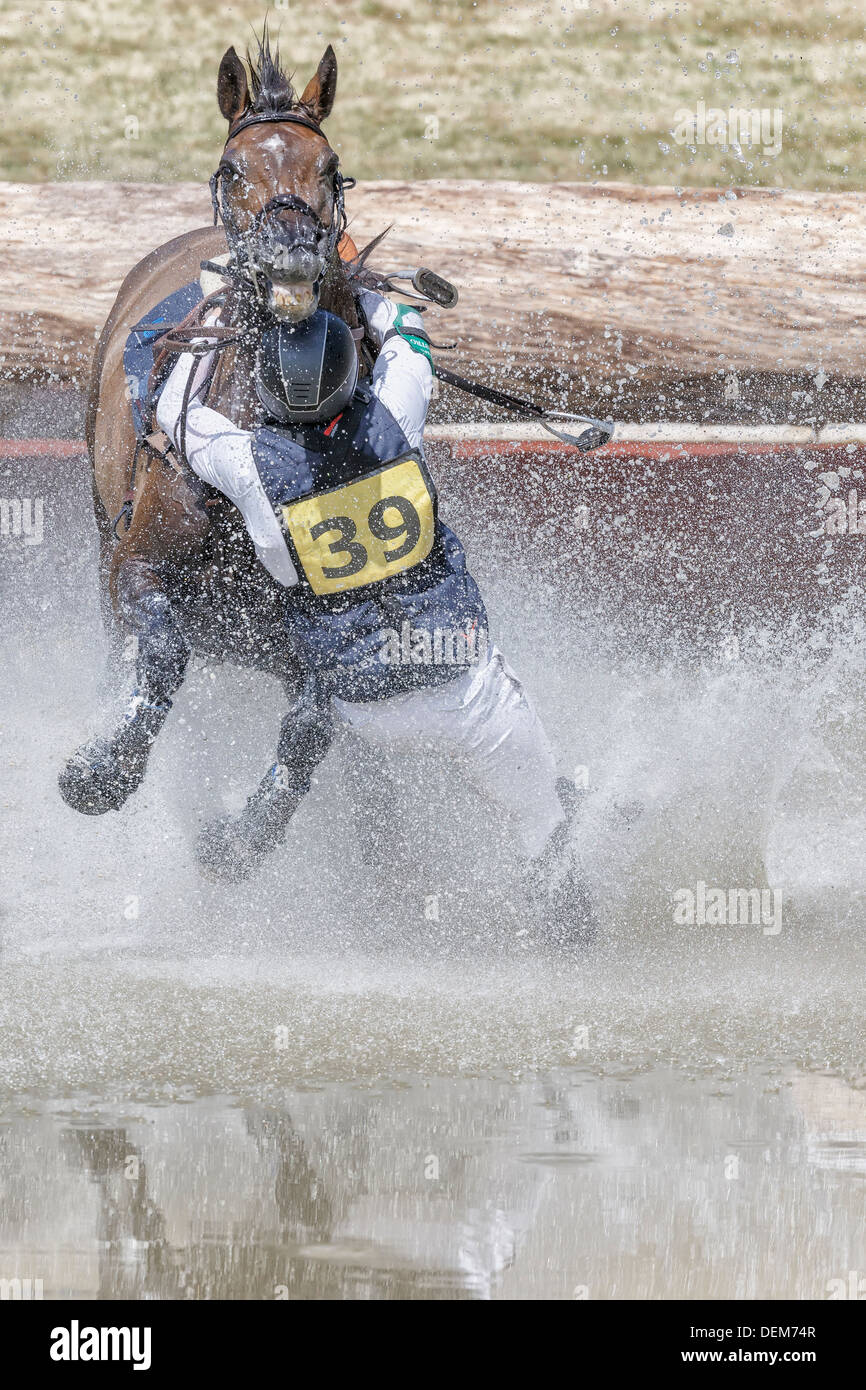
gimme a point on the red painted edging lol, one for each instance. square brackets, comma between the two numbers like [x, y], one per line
[42, 448]
[484, 448]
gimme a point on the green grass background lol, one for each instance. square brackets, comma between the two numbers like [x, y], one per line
[125, 89]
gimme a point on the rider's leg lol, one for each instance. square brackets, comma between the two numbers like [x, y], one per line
[487, 718]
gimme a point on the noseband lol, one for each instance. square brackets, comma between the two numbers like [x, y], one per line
[281, 201]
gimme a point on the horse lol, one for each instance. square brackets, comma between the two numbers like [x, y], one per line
[183, 577]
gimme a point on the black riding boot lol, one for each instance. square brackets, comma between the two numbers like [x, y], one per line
[233, 846]
[102, 774]
[558, 891]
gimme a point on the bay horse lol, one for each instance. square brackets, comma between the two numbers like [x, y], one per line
[183, 578]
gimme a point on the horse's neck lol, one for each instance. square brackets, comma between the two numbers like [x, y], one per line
[232, 391]
[337, 295]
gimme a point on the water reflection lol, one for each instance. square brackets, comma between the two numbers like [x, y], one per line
[637, 1186]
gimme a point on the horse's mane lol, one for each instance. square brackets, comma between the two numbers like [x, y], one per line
[271, 85]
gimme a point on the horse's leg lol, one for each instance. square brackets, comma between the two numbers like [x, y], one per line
[167, 532]
[233, 846]
[107, 547]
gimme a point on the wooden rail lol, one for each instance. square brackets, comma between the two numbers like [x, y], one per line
[642, 302]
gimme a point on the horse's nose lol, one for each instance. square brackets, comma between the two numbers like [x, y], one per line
[294, 248]
[300, 264]
[296, 228]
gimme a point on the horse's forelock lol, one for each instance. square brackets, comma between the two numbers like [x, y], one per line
[271, 86]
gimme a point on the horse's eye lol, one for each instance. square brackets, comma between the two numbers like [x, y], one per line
[331, 168]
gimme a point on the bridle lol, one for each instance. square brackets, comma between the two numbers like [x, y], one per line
[217, 339]
[281, 201]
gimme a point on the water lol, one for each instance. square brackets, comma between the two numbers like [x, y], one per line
[332, 1081]
[470, 1187]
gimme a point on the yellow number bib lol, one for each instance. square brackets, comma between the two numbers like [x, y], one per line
[366, 530]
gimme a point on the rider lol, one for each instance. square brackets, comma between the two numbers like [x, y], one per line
[385, 616]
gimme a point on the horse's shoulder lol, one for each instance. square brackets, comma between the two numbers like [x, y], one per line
[167, 268]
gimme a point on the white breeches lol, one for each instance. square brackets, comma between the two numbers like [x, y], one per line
[487, 719]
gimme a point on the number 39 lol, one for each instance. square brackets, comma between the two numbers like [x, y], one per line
[408, 526]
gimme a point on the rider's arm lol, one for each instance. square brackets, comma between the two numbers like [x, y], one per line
[221, 454]
[403, 374]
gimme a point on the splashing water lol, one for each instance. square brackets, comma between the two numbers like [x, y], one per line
[129, 981]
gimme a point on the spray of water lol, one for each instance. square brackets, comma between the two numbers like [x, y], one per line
[737, 769]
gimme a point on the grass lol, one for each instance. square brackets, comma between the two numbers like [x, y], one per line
[541, 90]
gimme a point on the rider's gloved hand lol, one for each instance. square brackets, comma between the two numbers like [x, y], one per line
[382, 315]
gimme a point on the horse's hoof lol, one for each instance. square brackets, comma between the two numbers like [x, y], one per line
[231, 847]
[101, 777]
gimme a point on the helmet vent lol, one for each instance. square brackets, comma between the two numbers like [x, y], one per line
[303, 393]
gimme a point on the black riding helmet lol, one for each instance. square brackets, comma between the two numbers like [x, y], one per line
[306, 372]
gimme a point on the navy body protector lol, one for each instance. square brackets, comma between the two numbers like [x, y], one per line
[138, 353]
[342, 634]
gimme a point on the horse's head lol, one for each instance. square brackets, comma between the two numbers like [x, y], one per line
[282, 200]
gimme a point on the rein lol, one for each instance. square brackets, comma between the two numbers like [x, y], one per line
[597, 433]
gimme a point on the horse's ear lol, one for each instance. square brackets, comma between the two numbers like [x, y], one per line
[320, 91]
[233, 93]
